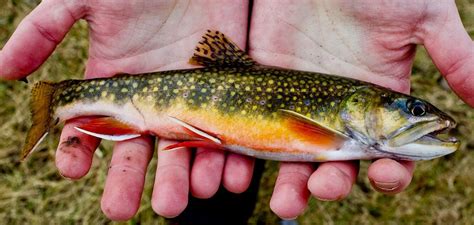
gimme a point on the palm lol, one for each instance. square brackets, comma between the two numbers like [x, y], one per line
[367, 40]
[146, 36]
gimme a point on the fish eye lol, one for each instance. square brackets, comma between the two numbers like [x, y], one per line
[416, 108]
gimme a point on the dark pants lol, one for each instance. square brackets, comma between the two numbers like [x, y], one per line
[225, 207]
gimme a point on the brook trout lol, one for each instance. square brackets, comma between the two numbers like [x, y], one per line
[236, 104]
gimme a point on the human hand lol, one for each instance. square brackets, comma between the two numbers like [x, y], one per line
[134, 37]
[367, 40]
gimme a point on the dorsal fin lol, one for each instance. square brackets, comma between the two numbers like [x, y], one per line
[215, 49]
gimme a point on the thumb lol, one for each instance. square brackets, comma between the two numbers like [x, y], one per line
[452, 51]
[37, 36]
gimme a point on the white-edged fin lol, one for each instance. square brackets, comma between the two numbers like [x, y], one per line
[308, 120]
[37, 144]
[121, 137]
[195, 130]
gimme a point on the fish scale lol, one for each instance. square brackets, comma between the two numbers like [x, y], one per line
[235, 104]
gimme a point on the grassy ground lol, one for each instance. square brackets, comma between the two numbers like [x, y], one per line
[33, 192]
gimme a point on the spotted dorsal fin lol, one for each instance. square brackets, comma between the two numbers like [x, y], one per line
[215, 49]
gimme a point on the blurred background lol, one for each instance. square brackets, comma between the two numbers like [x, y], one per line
[33, 192]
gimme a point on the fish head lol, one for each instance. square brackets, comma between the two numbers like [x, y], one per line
[400, 125]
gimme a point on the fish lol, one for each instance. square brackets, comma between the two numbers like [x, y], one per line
[233, 103]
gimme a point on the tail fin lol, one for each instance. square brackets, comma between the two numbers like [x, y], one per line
[41, 98]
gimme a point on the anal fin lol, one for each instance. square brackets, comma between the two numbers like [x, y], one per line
[109, 128]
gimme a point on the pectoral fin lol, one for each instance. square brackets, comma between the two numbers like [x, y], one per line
[312, 131]
[109, 129]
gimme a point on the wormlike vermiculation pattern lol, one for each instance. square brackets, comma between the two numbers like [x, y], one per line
[249, 91]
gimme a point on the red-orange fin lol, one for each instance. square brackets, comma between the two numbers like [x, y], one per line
[193, 144]
[194, 131]
[109, 128]
[313, 131]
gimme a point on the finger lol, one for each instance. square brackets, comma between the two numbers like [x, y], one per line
[333, 180]
[75, 151]
[452, 50]
[171, 188]
[290, 196]
[126, 178]
[389, 176]
[206, 173]
[37, 36]
[238, 172]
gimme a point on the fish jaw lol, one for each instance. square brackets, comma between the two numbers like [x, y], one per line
[425, 148]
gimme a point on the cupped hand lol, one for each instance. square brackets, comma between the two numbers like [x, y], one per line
[373, 41]
[134, 37]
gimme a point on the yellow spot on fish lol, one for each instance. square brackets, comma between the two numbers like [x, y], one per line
[78, 88]
[247, 88]
[271, 82]
[204, 105]
[135, 85]
[91, 90]
[325, 83]
[135, 97]
[259, 89]
[254, 107]
[191, 79]
[112, 97]
[220, 87]
[268, 90]
[179, 83]
[332, 104]
[320, 99]
[165, 88]
[192, 87]
[292, 90]
[232, 108]
[103, 93]
[145, 89]
[232, 93]
[279, 96]
[127, 82]
[298, 109]
[175, 91]
[212, 80]
[115, 84]
[124, 90]
[204, 90]
[101, 82]
[243, 112]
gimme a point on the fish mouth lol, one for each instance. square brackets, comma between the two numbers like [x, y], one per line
[426, 140]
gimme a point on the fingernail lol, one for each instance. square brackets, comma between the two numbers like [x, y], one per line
[289, 219]
[387, 186]
[67, 178]
[325, 199]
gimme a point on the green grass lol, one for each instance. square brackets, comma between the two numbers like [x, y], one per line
[33, 192]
